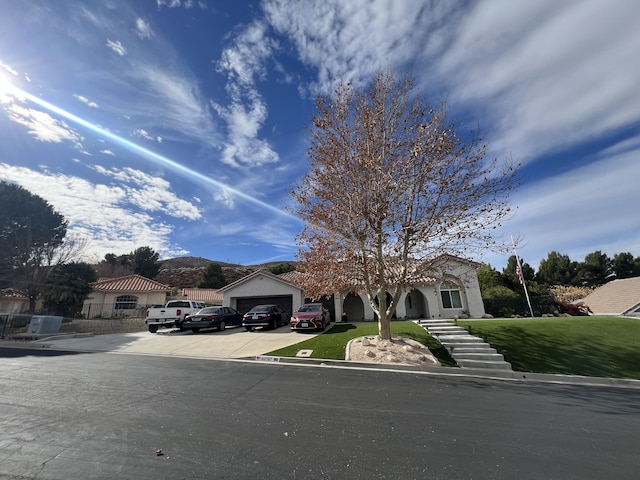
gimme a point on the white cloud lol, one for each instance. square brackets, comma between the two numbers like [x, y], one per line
[543, 79]
[43, 126]
[107, 152]
[243, 63]
[109, 215]
[585, 209]
[181, 3]
[225, 197]
[143, 29]
[150, 193]
[351, 40]
[173, 100]
[86, 101]
[141, 133]
[117, 47]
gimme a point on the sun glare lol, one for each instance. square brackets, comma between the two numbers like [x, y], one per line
[7, 90]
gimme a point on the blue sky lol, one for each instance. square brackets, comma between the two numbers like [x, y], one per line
[181, 124]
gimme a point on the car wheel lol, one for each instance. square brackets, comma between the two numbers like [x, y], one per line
[249, 329]
[153, 328]
[221, 326]
[273, 324]
[195, 330]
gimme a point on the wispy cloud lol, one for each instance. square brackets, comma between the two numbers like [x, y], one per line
[119, 217]
[576, 211]
[143, 29]
[117, 47]
[541, 87]
[243, 63]
[43, 126]
[182, 3]
[141, 133]
[150, 193]
[86, 101]
[351, 40]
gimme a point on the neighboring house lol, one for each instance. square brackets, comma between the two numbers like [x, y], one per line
[618, 297]
[210, 296]
[12, 302]
[124, 297]
[450, 288]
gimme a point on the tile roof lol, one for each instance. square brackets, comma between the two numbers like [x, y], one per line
[207, 295]
[129, 283]
[252, 275]
[616, 297]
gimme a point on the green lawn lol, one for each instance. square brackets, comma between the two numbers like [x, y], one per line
[332, 344]
[597, 346]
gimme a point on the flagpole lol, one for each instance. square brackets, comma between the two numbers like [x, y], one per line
[521, 276]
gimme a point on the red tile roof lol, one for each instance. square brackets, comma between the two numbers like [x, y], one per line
[129, 283]
[207, 295]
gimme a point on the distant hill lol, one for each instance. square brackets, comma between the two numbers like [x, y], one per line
[185, 272]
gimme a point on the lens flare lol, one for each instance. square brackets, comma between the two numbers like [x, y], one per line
[144, 152]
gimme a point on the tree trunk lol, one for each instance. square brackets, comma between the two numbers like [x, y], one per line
[384, 326]
[384, 321]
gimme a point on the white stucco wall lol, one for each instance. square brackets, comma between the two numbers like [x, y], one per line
[462, 273]
[262, 286]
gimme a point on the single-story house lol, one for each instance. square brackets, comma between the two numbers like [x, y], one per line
[617, 297]
[450, 288]
[261, 287]
[13, 302]
[124, 296]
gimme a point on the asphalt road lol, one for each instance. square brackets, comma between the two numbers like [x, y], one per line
[66, 415]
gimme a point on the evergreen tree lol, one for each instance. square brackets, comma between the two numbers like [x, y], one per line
[623, 265]
[67, 286]
[145, 262]
[596, 269]
[557, 269]
[32, 237]
[212, 277]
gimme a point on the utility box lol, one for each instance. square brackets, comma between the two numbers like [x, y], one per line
[44, 324]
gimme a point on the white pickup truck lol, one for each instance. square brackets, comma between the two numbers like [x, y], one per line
[172, 314]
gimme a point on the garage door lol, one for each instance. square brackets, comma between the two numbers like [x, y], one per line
[285, 302]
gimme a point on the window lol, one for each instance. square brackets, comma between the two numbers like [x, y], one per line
[450, 294]
[126, 302]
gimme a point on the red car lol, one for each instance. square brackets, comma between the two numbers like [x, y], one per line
[310, 316]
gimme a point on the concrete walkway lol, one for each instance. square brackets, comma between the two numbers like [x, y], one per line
[232, 343]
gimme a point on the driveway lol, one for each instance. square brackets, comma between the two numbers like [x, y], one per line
[232, 343]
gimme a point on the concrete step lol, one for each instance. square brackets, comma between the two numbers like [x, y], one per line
[488, 364]
[477, 356]
[459, 339]
[446, 330]
[475, 348]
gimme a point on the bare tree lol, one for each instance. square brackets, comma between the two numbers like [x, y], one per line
[391, 188]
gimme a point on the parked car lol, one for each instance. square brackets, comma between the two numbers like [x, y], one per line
[270, 316]
[310, 316]
[172, 314]
[212, 317]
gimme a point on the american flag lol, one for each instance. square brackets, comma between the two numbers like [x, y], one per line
[519, 273]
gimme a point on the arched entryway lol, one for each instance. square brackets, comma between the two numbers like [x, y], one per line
[416, 305]
[353, 308]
